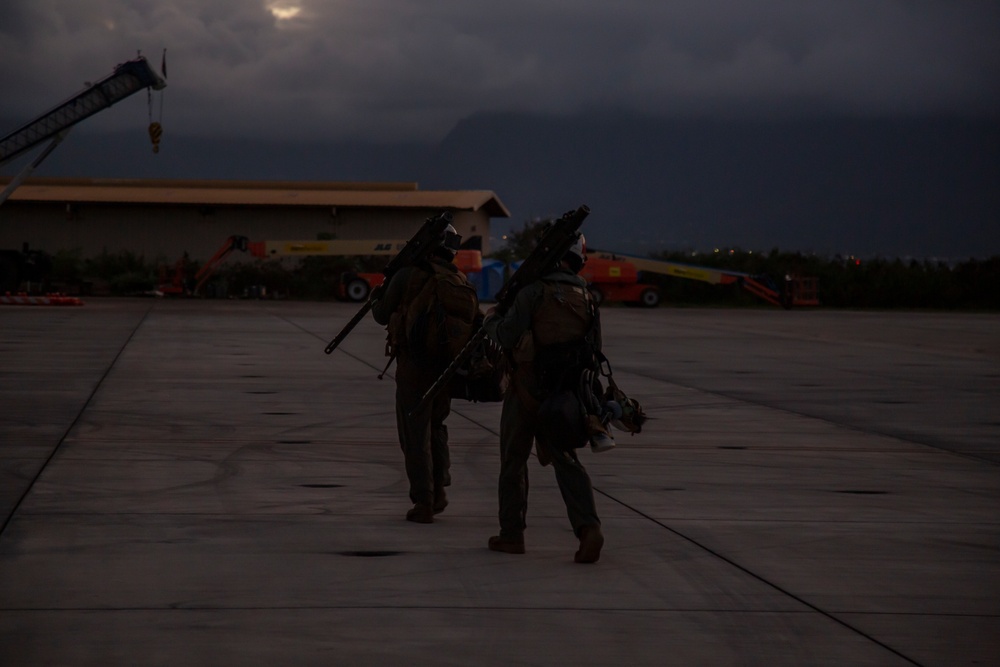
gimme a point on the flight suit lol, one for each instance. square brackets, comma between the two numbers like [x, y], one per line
[518, 328]
[423, 437]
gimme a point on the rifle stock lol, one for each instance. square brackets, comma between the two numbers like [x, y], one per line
[416, 249]
[557, 239]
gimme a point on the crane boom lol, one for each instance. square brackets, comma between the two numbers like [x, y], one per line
[128, 78]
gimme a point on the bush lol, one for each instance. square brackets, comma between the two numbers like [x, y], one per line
[123, 273]
[844, 282]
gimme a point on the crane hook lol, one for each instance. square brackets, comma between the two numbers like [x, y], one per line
[155, 132]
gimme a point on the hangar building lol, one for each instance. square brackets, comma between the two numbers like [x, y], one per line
[163, 219]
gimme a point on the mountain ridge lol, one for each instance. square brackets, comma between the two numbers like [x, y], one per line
[908, 187]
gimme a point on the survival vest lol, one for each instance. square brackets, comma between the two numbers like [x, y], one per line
[436, 316]
[564, 314]
[562, 340]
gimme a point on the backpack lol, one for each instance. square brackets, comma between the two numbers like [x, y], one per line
[564, 338]
[437, 322]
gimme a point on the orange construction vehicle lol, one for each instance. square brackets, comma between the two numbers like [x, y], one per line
[357, 286]
[353, 286]
[616, 275]
[613, 279]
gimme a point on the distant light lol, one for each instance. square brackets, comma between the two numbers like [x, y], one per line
[716, 250]
[284, 11]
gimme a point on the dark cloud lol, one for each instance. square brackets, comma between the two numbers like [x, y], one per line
[390, 70]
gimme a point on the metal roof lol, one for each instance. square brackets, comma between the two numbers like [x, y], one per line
[255, 193]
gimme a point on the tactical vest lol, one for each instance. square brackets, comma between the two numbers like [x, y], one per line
[435, 317]
[564, 314]
[560, 342]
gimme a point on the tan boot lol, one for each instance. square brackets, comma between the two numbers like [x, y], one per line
[591, 541]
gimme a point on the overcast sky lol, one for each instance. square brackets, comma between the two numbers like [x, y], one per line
[409, 70]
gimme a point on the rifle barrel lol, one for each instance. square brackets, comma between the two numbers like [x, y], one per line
[417, 248]
[349, 327]
[449, 372]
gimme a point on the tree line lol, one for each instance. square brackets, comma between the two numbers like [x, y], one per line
[843, 282]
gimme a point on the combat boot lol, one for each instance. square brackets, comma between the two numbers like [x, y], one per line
[591, 541]
[506, 546]
[440, 501]
[421, 514]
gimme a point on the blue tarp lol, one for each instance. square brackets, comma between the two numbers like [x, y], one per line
[488, 281]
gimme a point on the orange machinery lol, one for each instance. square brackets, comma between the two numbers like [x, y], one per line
[625, 270]
[357, 286]
[613, 279]
[353, 286]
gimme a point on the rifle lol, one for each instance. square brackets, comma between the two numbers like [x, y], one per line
[557, 238]
[416, 249]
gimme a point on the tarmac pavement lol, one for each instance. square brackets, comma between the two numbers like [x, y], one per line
[196, 482]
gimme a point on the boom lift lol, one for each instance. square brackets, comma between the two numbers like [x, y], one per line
[610, 276]
[353, 286]
[796, 291]
[613, 279]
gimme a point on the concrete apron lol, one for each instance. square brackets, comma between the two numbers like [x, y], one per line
[195, 482]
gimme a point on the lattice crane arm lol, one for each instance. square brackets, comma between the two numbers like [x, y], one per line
[128, 78]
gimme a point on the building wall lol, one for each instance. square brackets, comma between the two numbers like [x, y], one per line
[166, 232]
